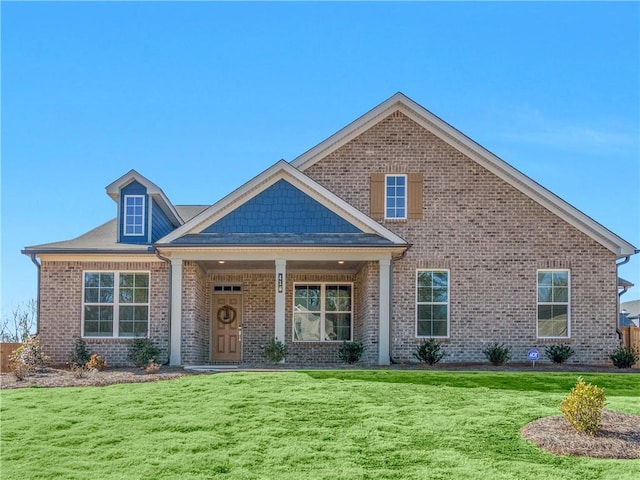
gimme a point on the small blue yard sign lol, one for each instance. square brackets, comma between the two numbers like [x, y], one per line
[533, 355]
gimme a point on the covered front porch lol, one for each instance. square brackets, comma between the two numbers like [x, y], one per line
[226, 305]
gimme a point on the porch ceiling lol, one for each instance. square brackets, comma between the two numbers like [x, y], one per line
[269, 266]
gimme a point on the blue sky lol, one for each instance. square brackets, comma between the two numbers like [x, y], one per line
[200, 97]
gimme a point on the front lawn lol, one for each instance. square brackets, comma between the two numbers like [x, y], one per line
[302, 425]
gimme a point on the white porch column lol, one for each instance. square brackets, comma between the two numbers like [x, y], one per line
[384, 321]
[280, 289]
[176, 312]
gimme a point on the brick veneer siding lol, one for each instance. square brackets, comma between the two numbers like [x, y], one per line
[368, 312]
[60, 319]
[489, 235]
[195, 345]
[259, 313]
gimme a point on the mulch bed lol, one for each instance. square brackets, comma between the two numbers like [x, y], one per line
[55, 377]
[619, 437]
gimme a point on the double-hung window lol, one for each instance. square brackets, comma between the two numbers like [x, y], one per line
[432, 303]
[553, 303]
[116, 304]
[322, 312]
[134, 215]
[395, 197]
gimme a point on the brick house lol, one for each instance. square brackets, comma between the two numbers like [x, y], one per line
[396, 229]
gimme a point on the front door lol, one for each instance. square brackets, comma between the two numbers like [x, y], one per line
[226, 320]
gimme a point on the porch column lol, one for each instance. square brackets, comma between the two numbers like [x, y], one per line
[175, 357]
[383, 322]
[280, 290]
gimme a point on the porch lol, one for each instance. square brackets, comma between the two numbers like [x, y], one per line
[224, 308]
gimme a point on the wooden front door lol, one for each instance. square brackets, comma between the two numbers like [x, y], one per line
[226, 320]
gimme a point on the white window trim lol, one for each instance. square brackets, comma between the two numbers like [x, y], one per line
[124, 218]
[323, 311]
[406, 195]
[568, 303]
[116, 303]
[447, 303]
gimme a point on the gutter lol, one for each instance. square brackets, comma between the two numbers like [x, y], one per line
[168, 262]
[38, 265]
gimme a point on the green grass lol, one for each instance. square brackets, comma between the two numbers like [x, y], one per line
[296, 425]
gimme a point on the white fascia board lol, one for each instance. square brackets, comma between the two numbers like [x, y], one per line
[294, 253]
[473, 150]
[154, 191]
[278, 171]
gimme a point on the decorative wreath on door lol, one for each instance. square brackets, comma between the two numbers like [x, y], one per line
[226, 314]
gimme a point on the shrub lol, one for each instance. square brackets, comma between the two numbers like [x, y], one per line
[27, 359]
[350, 352]
[558, 353]
[624, 357]
[96, 362]
[275, 351]
[429, 352]
[80, 354]
[582, 409]
[152, 367]
[497, 354]
[142, 351]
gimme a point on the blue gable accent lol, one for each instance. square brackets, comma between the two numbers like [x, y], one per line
[134, 188]
[160, 224]
[282, 208]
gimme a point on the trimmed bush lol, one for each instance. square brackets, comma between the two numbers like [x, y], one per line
[429, 352]
[350, 352]
[27, 359]
[624, 357]
[96, 362]
[142, 351]
[497, 354]
[275, 351]
[80, 354]
[558, 353]
[582, 409]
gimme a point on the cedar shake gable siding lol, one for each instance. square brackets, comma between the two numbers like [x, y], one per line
[491, 237]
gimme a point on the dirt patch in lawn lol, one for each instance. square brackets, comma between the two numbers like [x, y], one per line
[53, 377]
[619, 437]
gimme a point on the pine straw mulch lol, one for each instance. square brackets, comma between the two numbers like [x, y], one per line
[619, 437]
[57, 377]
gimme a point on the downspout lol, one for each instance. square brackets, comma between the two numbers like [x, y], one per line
[168, 262]
[393, 260]
[624, 290]
[34, 259]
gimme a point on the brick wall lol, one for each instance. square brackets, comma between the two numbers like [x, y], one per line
[195, 317]
[61, 310]
[489, 235]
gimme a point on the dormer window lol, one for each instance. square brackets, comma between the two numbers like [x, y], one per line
[134, 215]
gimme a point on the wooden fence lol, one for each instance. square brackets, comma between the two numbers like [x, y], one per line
[6, 349]
[631, 339]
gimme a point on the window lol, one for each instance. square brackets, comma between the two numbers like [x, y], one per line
[553, 303]
[322, 312]
[116, 304]
[395, 196]
[134, 215]
[432, 303]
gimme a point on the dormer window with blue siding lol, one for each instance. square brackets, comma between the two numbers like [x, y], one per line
[134, 215]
